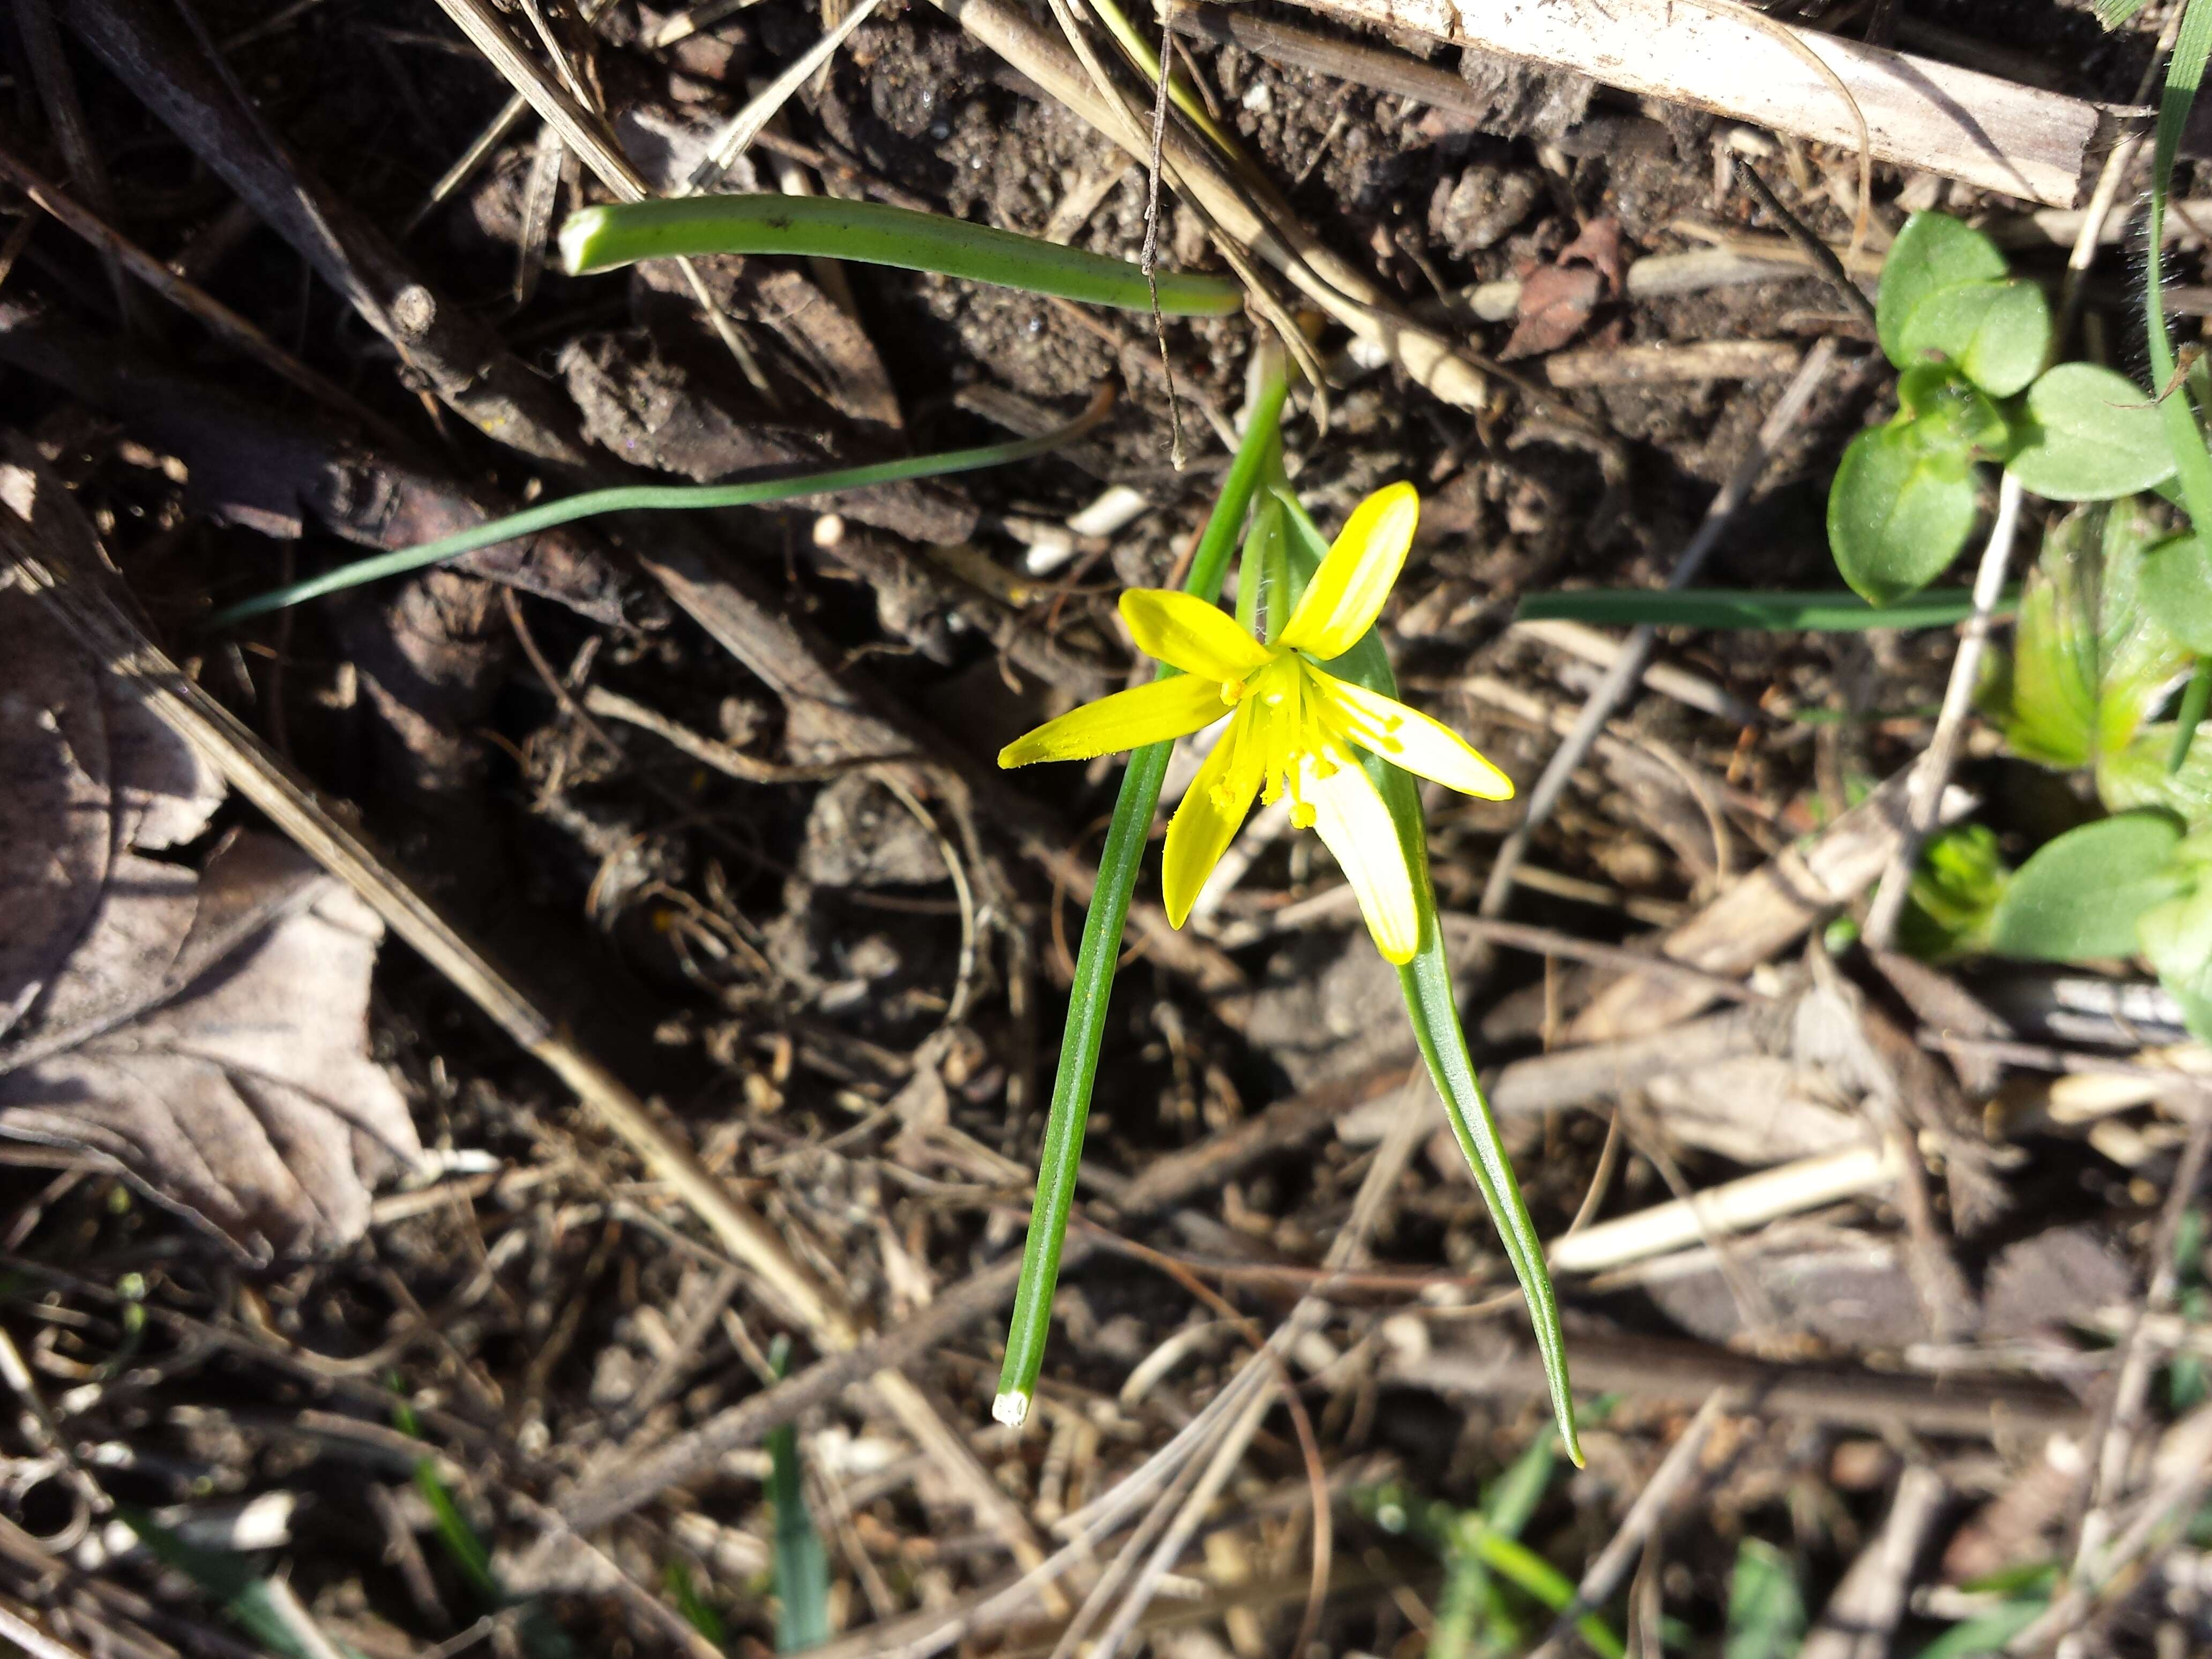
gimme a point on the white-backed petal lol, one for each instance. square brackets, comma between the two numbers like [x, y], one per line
[1207, 820]
[1173, 707]
[1346, 593]
[1354, 824]
[1197, 637]
[1406, 737]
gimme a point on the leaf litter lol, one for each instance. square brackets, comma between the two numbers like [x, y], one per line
[204, 1032]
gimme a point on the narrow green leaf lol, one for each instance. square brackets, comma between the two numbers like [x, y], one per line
[1716, 607]
[1426, 984]
[1986, 1635]
[1532, 1573]
[693, 1607]
[2196, 703]
[801, 1563]
[2079, 897]
[1997, 333]
[2091, 436]
[639, 498]
[873, 232]
[1767, 1610]
[1933, 251]
[1899, 511]
[1030, 1327]
[228, 1580]
[462, 1544]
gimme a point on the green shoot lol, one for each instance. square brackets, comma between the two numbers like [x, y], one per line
[247, 1598]
[802, 1565]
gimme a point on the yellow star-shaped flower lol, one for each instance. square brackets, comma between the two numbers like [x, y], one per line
[1295, 729]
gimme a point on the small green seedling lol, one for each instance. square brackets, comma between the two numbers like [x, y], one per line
[1970, 341]
[1477, 1615]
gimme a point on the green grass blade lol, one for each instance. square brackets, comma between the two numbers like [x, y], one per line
[1426, 982]
[872, 233]
[1030, 1326]
[459, 1538]
[1985, 1634]
[1510, 1558]
[802, 1564]
[1713, 607]
[654, 498]
[1767, 1610]
[230, 1581]
[693, 1607]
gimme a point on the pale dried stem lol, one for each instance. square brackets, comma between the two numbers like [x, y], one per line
[1934, 771]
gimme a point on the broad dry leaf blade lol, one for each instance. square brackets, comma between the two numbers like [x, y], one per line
[204, 1032]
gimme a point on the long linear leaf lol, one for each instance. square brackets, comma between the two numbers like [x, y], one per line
[658, 498]
[1713, 607]
[1030, 1326]
[824, 227]
[1434, 1012]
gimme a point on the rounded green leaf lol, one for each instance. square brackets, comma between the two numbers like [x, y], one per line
[2090, 435]
[2176, 937]
[1997, 333]
[1898, 510]
[1933, 251]
[2176, 589]
[2079, 897]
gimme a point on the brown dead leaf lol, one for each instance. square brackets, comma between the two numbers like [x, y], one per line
[1556, 300]
[204, 1033]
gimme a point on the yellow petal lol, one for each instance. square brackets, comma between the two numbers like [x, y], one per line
[1206, 822]
[1352, 822]
[1407, 738]
[1128, 719]
[1346, 593]
[1198, 638]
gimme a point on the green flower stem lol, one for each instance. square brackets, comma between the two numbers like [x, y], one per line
[872, 233]
[2185, 73]
[1096, 959]
[651, 498]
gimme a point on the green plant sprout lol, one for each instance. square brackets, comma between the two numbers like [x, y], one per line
[802, 1561]
[1337, 742]
[1474, 1619]
[1970, 343]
